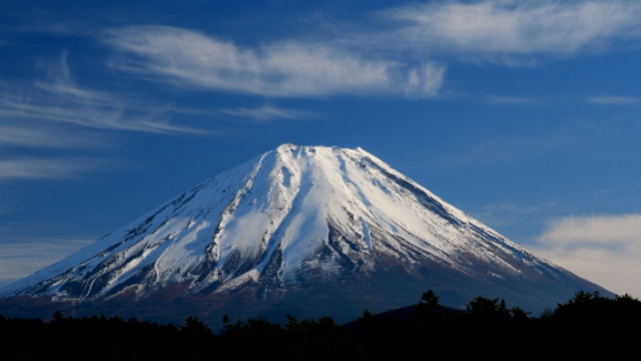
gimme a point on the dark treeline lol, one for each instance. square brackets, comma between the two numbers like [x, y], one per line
[588, 325]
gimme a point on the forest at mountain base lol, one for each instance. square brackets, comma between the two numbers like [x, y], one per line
[586, 325]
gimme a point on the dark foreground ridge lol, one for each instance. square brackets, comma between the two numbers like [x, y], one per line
[586, 325]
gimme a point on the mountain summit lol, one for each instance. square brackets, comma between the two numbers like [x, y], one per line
[303, 230]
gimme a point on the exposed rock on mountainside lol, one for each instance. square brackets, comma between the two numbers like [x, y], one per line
[305, 230]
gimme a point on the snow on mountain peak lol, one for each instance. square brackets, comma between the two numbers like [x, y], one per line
[291, 215]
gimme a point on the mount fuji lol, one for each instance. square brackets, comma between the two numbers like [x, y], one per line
[308, 231]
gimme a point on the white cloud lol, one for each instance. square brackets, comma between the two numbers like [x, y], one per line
[516, 27]
[21, 259]
[603, 249]
[268, 112]
[597, 230]
[614, 100]
[57, 113]
[284, 69]
[60, 99]
[45, 168]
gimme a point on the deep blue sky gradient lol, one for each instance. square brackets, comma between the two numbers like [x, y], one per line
[516, 145]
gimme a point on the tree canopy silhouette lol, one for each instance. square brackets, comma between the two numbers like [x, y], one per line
[486, 325]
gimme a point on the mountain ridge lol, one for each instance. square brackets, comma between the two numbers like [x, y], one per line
[294, 219]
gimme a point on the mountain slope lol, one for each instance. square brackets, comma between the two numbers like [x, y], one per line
[301, 222]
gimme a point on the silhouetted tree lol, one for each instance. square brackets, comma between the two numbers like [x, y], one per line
[195, 327]
[488, 309]
[426, 311]
[519, 314]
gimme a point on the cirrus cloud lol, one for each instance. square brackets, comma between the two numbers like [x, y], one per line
[46, 168]
[500, 28]
[283, 69]
[614, 100]
[268, 112]
[60, 99]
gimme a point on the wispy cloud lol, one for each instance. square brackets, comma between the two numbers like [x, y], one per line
[58, 114]
[45, 168]
[497, 28]
[605, 249]
[20, 259]
[60, 99]
[283, 69]
[47, 137]
[614, 100]
[268, 112]
[503, 214]
[497, 99]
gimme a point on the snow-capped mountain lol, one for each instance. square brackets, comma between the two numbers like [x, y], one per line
[301, 221]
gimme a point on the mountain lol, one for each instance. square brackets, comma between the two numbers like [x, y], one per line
[308, 231]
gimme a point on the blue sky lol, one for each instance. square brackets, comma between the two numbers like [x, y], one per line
[524, 114]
